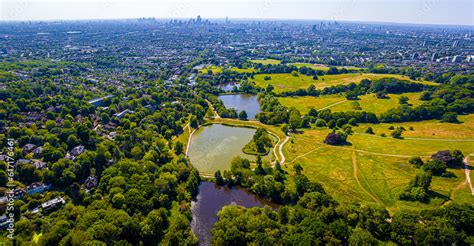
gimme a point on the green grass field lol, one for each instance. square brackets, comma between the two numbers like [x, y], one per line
[374, 169]
[337, 103]
[266, 61]
[217, 69]
[427, 129]
[287, 82]
[321, 67]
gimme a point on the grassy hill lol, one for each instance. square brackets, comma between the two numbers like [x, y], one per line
[337, 103]
[374, 169]
[287, 82]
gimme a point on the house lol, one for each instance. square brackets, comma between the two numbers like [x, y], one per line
[98, 101]
[37, 152]
[112, 135]
[18, 193]
[4, 221]
[91, 182]
[38, 164]
[77, 150]
[23, 161]
[28, 148]
[36, 187]
[53, 203]
[123, 113]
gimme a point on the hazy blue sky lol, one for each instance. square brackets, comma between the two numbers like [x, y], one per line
[403, 11]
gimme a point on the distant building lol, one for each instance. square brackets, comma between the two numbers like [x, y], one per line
[4, 222]
[98, 101]
[28, 148]
[91, 182]
[457, 59]
[77, 150]
[52, 204]
[36, 187]
[123, 113]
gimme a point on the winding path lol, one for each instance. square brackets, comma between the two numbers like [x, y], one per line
[334, 104]
[356, 177]
[280, 149]
[467, 170]
[216, 115]
[424, 139]
[189, 139]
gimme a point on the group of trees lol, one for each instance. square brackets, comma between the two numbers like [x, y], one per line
[145, 188]
[260, 143]
[266, 181]
[418, 188]
[309, 216]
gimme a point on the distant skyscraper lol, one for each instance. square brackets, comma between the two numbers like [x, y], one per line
[226, 20]
[198, 19]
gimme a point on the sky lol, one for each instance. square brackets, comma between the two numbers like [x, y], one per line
[451, 12]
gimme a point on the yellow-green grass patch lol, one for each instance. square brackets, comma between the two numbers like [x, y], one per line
[219, 69]
[214, 69]
[337, 103]
[305, 103]
[426, 129]
[321, 67]
[381, 163]
[287, 82]
[266, 61]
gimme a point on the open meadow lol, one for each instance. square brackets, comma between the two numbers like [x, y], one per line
[337, 103]
[374, 169]
[266, 61]
[321, 67]
[288, 82]
[219, 69]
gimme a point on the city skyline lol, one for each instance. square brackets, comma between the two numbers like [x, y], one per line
[438, 12]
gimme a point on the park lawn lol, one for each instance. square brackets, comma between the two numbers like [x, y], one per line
[243, 70]
[337, 103]
[287, 82]
[305, 103]
[382, 168]
[214, 69]
[426, 129]
[219, 69]
[321, 67]
[183, 137]
[370, 103]
[266, 61]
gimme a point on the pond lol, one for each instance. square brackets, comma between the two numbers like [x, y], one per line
[240, 102]
[211, 199]
[228, 87]
[213, 147]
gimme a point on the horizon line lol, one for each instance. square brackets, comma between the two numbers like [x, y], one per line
[241, 19]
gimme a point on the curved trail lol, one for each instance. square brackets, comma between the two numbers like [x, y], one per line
[369, 152]
[216, 115]
[424, 139]
[280, 149]
[305, 154]
[467, 171]
[189, 139]
[334, 104]
[356, 176]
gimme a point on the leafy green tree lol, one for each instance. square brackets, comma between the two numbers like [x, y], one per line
[218, 177]
[178, 148]
[295, 120]
[243, 115]
[403, 100]
[297, 168]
